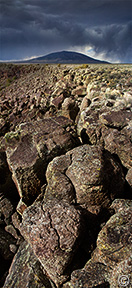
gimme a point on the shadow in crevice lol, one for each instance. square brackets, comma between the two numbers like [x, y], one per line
[92, 226]
[104, 285]
[127, 188]
[85, 137]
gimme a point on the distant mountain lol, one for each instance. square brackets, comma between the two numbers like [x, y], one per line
[65, 57]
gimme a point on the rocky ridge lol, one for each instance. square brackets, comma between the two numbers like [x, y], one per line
[65, 175]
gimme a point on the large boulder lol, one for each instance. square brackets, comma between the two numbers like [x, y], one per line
[92, 275]
[119, 143]
[96, 176]
[110, 264]
[70, 108]
[59, 185]
[6, 255]
[88, 175]
[112, 126]
[31, 147]
[26, 270]
[53, 229]
[114, 240]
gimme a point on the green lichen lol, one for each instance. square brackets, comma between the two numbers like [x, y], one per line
[10, 136]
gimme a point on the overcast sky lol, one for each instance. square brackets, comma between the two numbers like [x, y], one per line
[98, 28]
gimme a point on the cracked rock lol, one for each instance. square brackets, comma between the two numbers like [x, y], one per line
[26, 271]
[31, 147]
[53, 231]
[115, 239]
[59, 185]
[86, 175]
[96, 175]
[112, 256]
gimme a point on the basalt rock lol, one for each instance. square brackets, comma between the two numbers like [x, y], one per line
[113, 127]
[26, 270]
[87, 175]
[111, 260]
[114, 240]
[31, 147]
[72, 231]
[119, 143]
[70, 108]
[53, 229]
[92, 275]
[59, 185]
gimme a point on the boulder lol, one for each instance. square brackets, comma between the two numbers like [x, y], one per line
[114, 240]
[59, 185]
[96, 176]
[116, 119]
[113, 127]
[110, 264]
[31, 147]
[86, 175]
[54, 230]
[57, 102]
[80, 91]
[70, 108]
[92, 275]
[118, 143]
[26, 271]
[85, 103]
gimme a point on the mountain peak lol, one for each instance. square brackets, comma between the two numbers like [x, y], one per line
[65, 57]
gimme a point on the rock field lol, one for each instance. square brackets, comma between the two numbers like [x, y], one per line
[65, 176]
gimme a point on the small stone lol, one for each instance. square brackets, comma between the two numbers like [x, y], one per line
[13, 248]
[85, 103]
[21, 207]
[10, 229]
[16, 220]
[129, 177]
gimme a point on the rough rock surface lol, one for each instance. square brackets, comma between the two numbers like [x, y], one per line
[66, 139]
[112, 257]
[31, 147]
[114, 240]
[26, 270]
[111, 126]
[88, 175]
[53, 230]
[59, 185]
[97, 177]
[93, 275]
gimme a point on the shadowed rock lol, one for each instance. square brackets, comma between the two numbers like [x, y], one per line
[112, 257]
[26, 271]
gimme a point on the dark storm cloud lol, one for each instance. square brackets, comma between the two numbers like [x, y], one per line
[31, 28]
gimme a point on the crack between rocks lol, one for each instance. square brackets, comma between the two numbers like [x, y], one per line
[51, 226]
[74, 190]
[116, 127]
[117, 249]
